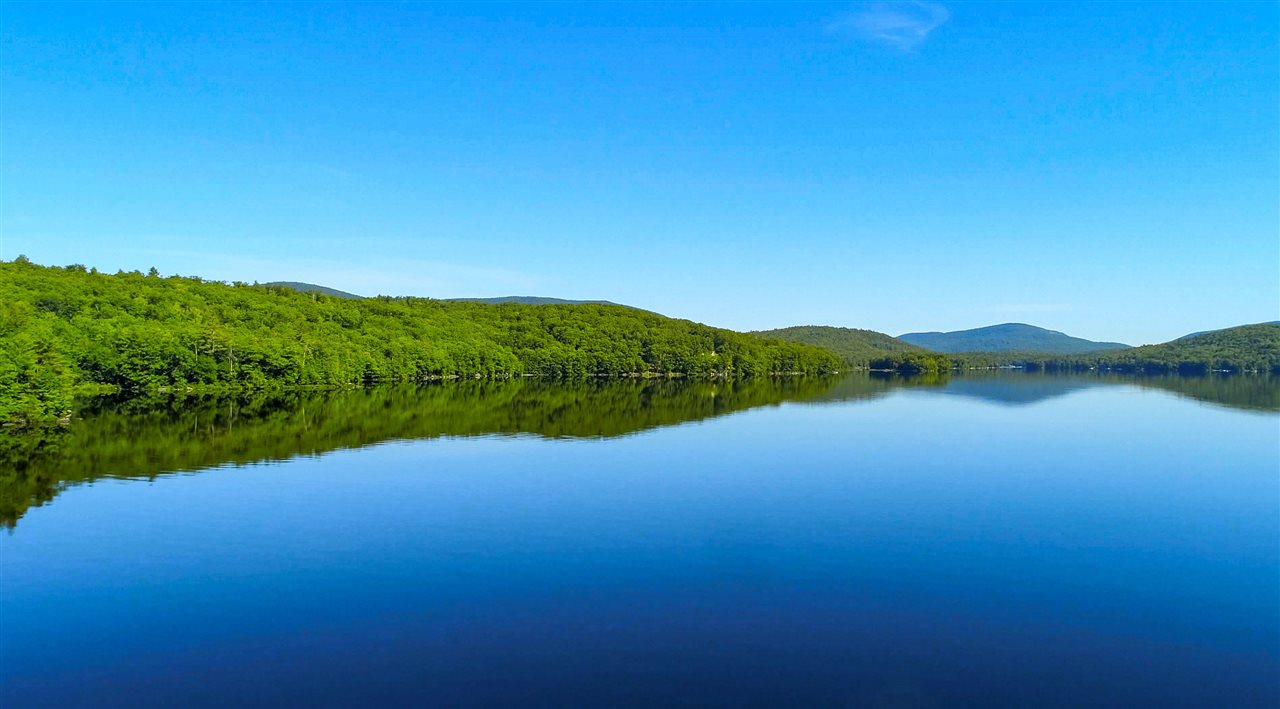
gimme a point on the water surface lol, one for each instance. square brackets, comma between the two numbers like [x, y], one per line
[1007, 540]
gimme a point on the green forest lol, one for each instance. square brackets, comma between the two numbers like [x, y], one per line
[73, 330]
[1247, 348]
[865, 349]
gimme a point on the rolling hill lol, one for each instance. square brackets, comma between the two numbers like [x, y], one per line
[63, 330]
[1247, 347]
[1008, 337]
[855, 348]
[1206, 332]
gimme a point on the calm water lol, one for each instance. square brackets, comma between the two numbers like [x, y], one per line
[1010, 540]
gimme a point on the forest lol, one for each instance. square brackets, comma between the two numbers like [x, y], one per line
[865, 349]
[71, 330]
[1247, 348]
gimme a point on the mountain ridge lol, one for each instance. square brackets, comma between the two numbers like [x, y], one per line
[303, 287]
[312, 288]
[1007, 337]
[534, 300]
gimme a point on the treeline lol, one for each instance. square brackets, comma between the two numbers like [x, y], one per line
[67, 329]
[1247, 348]
[864, 349]
[912, 363]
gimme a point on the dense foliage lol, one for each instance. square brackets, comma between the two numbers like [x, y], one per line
[863, 349]
[1248, 348]
[1245, 348]
[61, 328]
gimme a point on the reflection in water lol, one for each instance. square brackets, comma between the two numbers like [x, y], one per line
[146, 437]
[1015, 388]
[1258, 393]
[1001, 540]
[142, 438]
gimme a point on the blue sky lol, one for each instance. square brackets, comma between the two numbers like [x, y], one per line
[1111, 170]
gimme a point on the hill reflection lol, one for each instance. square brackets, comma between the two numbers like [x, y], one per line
[151, 436]
[1015, 388]
[142, 438]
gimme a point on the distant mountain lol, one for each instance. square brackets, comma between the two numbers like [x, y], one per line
[1009, 337]
[312, 288]
[520, 299]
[856, 348]
[532, 300]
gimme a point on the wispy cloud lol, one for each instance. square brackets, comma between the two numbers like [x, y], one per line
[901, 24]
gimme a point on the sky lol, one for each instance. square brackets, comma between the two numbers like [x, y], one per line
[1111, 170]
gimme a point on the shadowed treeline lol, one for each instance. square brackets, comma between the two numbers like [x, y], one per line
[145, 437]
[1017, 388]
[1020, 388]
[1256, 393]
[150, 436]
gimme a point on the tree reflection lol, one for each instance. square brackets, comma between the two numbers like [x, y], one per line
[151, 436]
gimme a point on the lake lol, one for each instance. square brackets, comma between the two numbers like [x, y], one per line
[997, 540]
